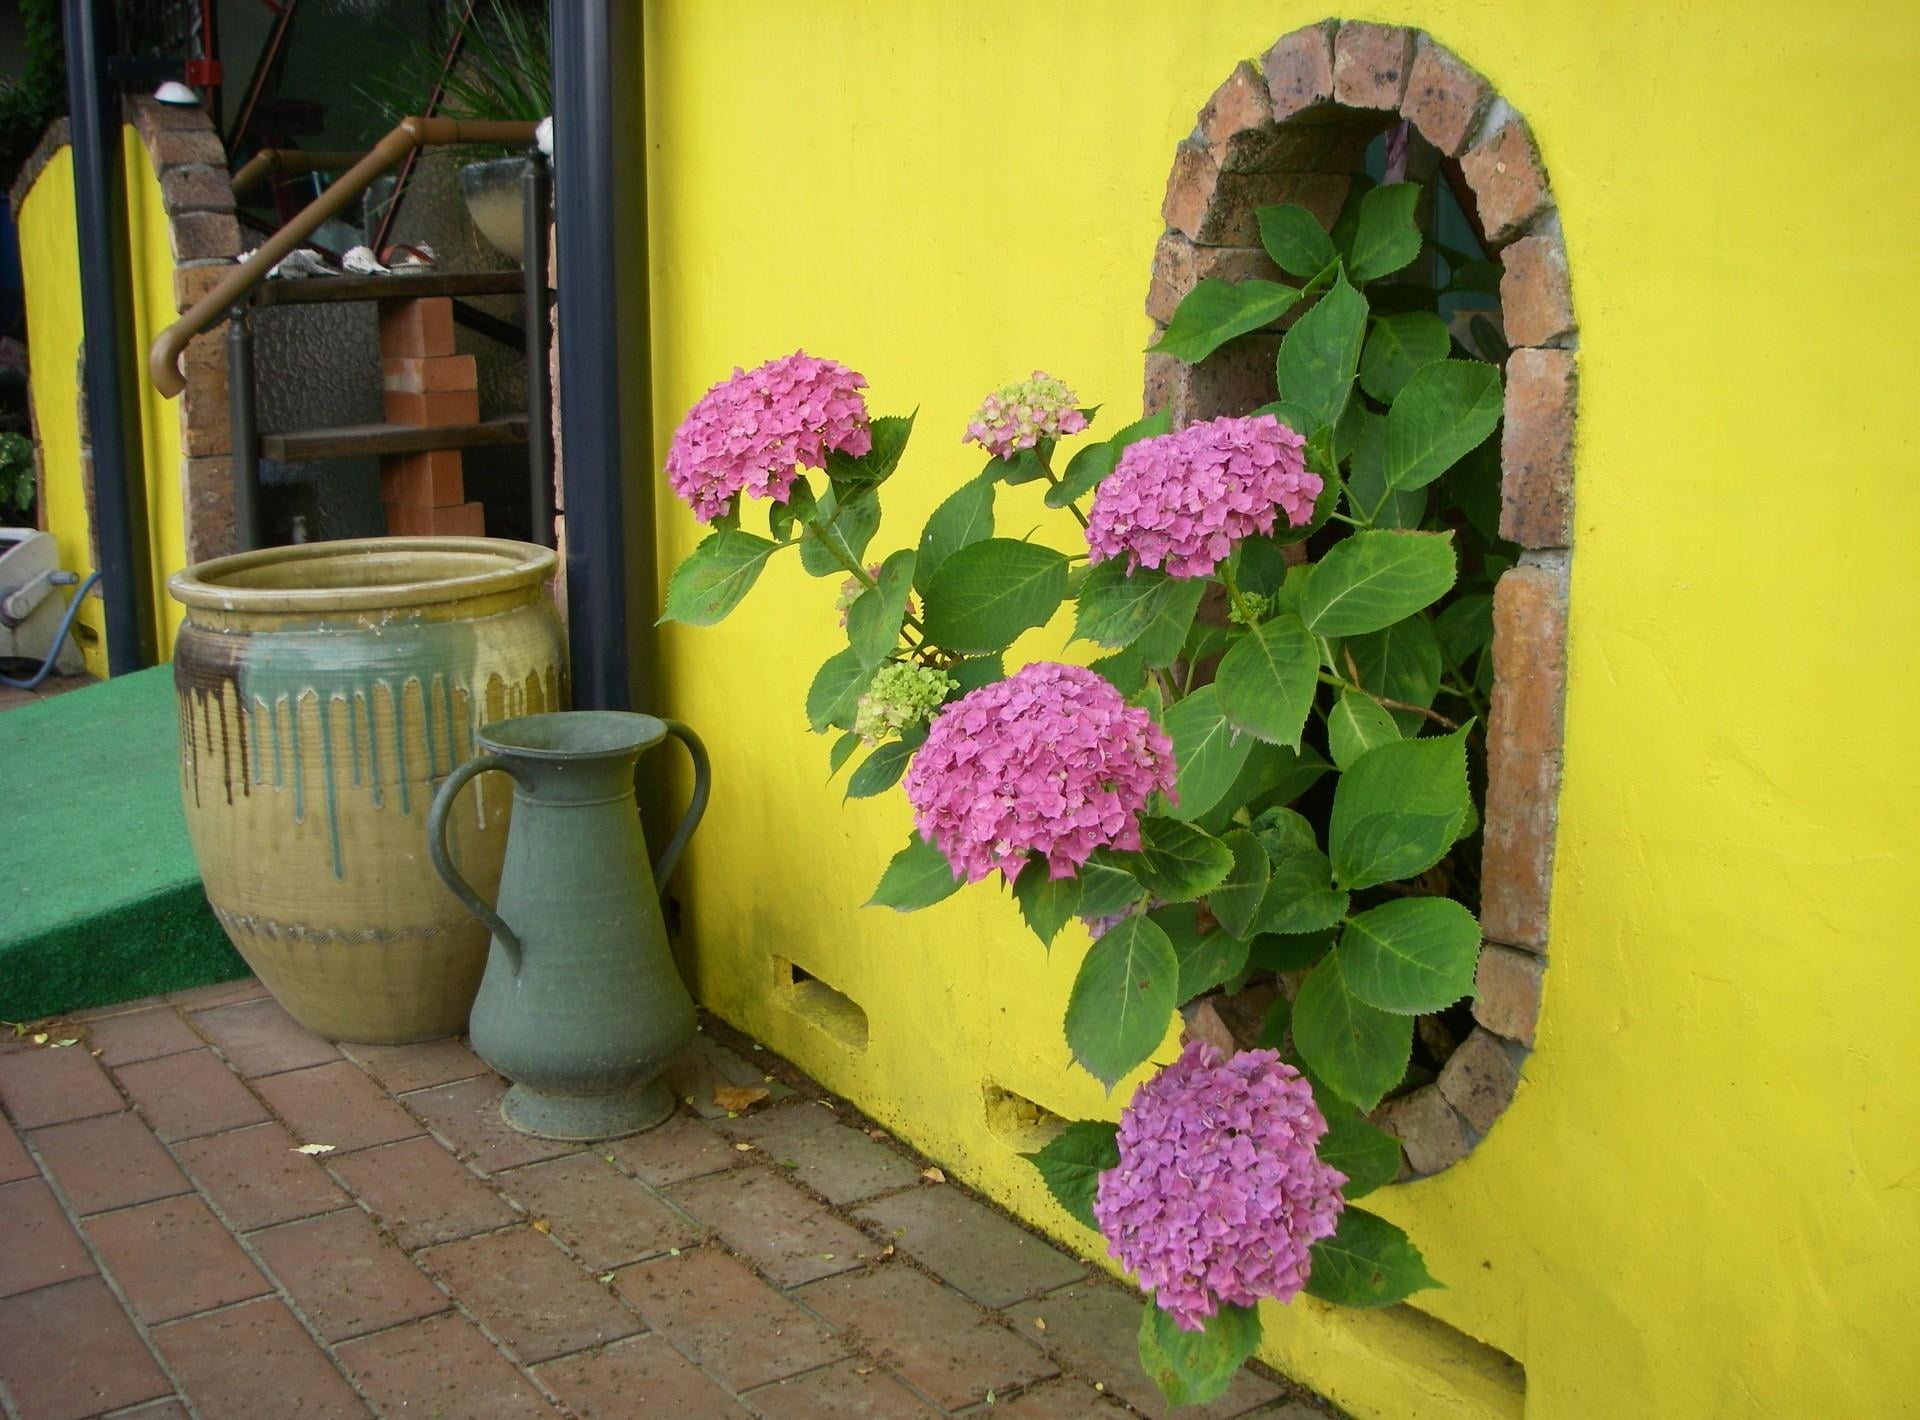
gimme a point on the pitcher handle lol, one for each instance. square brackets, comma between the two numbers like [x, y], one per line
[702, 788]
[443, 863]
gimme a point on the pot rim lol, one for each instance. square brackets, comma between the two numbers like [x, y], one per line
[522, 564]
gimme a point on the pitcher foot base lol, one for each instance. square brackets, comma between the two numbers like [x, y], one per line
[578, 1118]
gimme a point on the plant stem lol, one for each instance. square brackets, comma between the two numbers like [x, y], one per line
[1046, 467]
[859, 573]
[1386, 702]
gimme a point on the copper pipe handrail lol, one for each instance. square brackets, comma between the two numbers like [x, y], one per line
[163, 361]
[289, 162]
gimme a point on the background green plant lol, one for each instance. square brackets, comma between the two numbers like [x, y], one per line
[16, 480]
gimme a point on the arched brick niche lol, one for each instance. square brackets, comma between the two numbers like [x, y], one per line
[1295, 127]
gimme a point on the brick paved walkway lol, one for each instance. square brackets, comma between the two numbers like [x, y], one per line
[167, 1251]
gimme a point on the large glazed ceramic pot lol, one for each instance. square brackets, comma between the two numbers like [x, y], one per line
[325, 691]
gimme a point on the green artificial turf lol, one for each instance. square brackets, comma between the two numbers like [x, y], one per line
[99, 898]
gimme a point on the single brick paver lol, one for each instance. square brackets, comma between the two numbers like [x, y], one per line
[257, 1177]
[599, 1212]
[159, 1410]
[346, 1277]
[467, 1115]
[835, 1160]
[422, 1193]
[931, 1335]
[108, 1161]
[38, 1246]
[15, 1162]
[531, 1295]
[442, 1366]
[45, 1086]
[336, 1104]
[852, 1390]
[260, 1038]
[184, 1096]
[705, 1066]
[172, 1259]
[417, 1067]
[219, 993]
[974, 1248]
[672, 1152]
[140, 1035]
[69, 1351]
[253, 1361]
[714, 1310]
[640, 1376]
[782, 1231]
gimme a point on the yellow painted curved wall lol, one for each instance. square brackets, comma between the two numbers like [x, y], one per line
[1706, 1200]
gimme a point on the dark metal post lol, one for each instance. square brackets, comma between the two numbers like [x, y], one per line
[533, 202]
[106, 306]
[245, 433]
[600, 188]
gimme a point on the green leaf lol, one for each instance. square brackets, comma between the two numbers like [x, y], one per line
[1411, 955]
[1401, 662]
[1194, 1367]
[1347, 224]
[1295, 240]
[873, 621]
[1360, 1050]
[1365, 1153]
[1399, 809]
[1124, 670]
[1072, 1162]
[1116, 607]
[1319, 354]
[841, 752]
[1445, 410]
[890, 434]
[836, 689]
[798, 507]
[1355, 725]
[1215, 311]
[1025, 466]
[880, 770]
[1276, 952]
[1045, 901]
[1236, 901]
[1094, 462]
[975, 672]
[917, 877]
[1372, 579]
[1398, 346]
[1366, 485]
[1107, 885]
[1208, 752]
[1386, 238]
[966, 517]
[1286, 774]
[1274, 1025]
[1178, 862]
[1368, 1262]
[1300, 894]
[715, 576]
[988, 592]
[1122, 1000]
[1268, 679]
[1465, 627]
[1207, 955]
[1282, 831]
[1173, 612]
[838, 532]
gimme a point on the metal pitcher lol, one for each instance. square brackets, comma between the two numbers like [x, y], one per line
[581, 1005]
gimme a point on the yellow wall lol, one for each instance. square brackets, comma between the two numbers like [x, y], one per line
[50, 264]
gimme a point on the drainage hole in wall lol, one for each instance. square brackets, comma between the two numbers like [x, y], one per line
[834, 1012]
[1018, 1122]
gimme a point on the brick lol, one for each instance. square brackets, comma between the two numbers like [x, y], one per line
[467, 1115]
[1190, 188]
[441, 1366]
[427, 480]
[186, 1095]
[1179, 266]
[174, 147]
[1536, 449]
[422, 1193]
[1370, 64]
[1445, 99]
[419, 327]
[197, 235]
[1234, 379]
[196, 188]
[679, 1149]
[427, 374]
[1236, 119]
[255, 1177]
[152, 117]
[717, 1313]
[159, 1410]
[851, 1388]
[971, 1246]
[1074, 1400]
[808, 1141]
[610, 1382]
[44, 1086]
[531, 1295]
[1524, 739]
[1430, 1133]
[1480, 1077]
[415, 1067]
[603, 1215]
[15, 1162]
[207, 487]
[1536, 300]
[937, 1340]
[1095, 1329]
[1507, 180]
[139, 1035]
[206, 428]
[109, 1161]
[217, 993]
[1507, 991]
[345, 1277]
[1218, 209]
[40, 1246]
[173, 1259]
[775, 1226]
[67, 1352]
[1299, 70]
[1164, 382]
[259, 1038]
[432, 410]
[336, 1104]
[461, 520]
[190, 283]
[253, 1361]
[705, 1066]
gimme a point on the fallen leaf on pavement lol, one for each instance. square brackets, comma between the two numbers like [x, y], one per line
[315, 1149]
[736, 1098]
[933, 1175]
[541, 1225]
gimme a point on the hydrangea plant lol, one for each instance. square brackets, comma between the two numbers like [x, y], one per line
[1252, 782]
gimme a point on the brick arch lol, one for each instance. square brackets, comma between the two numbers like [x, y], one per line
[1294, 128]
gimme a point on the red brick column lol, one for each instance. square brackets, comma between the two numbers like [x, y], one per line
[424, 383]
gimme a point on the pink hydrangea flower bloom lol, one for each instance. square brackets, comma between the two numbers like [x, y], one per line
[1220, 1189]
[1021, 415]
[1052, 760]
[1182, 500]
[754, 431]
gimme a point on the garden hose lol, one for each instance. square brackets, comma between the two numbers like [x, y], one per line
[59, 639]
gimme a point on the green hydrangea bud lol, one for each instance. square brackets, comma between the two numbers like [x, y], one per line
[1256, 606]
[900, 696]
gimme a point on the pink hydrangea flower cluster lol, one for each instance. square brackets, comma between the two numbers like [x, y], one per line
[752, 433]
[1220, 1190]
[1052, 760]
[1182, 500]
[1021, 415]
